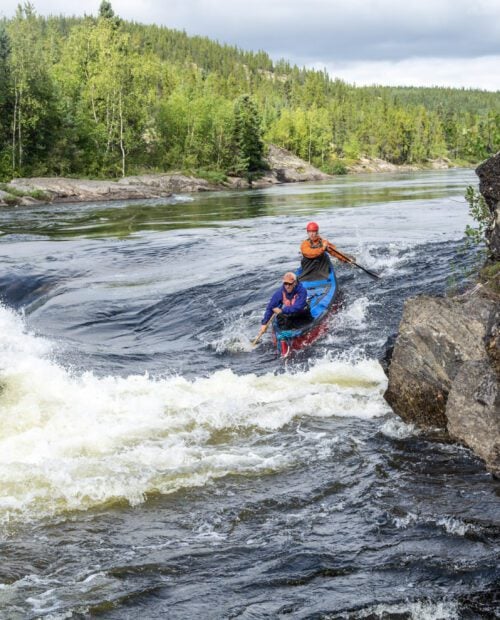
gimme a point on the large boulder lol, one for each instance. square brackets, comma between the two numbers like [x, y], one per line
[436, 336]
[445, 368]
[288, 168]
[489, 186]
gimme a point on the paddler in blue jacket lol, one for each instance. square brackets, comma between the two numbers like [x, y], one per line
[289, 303]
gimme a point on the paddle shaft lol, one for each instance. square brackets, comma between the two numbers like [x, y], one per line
[264, 330]
[352, 262]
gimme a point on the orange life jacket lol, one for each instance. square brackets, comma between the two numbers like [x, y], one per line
[312, 249]
[315, 250]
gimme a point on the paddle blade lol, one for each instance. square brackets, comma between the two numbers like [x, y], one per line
[368, 271]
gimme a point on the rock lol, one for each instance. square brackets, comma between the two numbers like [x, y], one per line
[375, 164]
[289, 168]
[441, 163]
[137, 187]
[492, 342]
[489, 186]
[166, 184]
[388, 348]
[7, 199]
[473, 411]
[445, 368]
[266, 180]
[237, 183]
[436, 336]
[284, 168]
[28, 201]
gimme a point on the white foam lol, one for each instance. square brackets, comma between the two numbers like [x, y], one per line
[70, 442]
[182, 198]
[451, 525]
[393, 260]
[418, 610]
[352, 316]
[397, 429]
[403, 522]
[234, 337]
[454, 526]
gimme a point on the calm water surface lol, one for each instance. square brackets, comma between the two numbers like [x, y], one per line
[153, 465]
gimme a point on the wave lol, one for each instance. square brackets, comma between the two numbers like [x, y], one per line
[73, 441]
[418, 610]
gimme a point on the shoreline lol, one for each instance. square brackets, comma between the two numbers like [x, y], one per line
[284, 168]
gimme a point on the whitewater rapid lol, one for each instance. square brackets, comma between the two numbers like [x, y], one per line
[72, 441]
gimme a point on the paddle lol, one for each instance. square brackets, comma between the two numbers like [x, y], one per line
[352, 262]
[254, 342]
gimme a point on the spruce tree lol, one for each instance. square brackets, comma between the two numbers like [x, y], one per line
[106, 10]
[6, 104]
[247, 137]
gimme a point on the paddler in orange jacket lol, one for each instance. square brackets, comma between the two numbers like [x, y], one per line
[315, 265]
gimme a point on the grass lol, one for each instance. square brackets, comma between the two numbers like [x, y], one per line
[490, 277]
[37, 194]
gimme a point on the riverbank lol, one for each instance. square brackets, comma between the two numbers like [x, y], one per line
[444, 371]
[283, 167]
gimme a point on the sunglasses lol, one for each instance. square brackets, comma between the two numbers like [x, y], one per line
[288, 283]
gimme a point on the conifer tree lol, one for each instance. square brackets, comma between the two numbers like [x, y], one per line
[247, 136]
[106, 10]
[5, 103]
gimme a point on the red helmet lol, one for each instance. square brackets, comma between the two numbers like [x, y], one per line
[312, 227]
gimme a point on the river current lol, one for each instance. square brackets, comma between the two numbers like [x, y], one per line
[153, 464]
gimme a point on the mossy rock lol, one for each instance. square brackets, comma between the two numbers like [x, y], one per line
[490, 277]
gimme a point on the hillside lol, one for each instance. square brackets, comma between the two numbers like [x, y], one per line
[102, 97]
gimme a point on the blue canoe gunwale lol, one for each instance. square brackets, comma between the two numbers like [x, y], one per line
[321, 296]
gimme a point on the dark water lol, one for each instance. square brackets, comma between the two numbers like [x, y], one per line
[154, 465]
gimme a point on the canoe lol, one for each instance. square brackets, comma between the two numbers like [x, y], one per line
[322, 297]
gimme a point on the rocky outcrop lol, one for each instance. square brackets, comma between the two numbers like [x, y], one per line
[489, 186]
[444, 372]
[436, 336]
[288, 168]
[60, 189]
[375, 164]
[473, 411]
[284, 167]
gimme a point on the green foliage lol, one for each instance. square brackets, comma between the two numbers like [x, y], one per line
[337, 167]
[212, 176]
[482, 215]
[490, 276]
[106, 10]
[247, 141]
[16, 193]
[99, 96]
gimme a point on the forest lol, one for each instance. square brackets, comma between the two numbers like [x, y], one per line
[100, 97]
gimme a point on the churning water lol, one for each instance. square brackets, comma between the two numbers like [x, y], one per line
[155, 465]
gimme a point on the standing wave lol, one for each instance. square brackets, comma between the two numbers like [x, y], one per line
[73, 441]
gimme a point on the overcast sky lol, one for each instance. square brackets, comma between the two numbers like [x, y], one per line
[423, 43]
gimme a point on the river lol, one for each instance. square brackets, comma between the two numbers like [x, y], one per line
[154, 464]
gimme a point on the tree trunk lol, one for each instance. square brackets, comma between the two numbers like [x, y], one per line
[14, 128]
[19, 133]
[122, 147]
